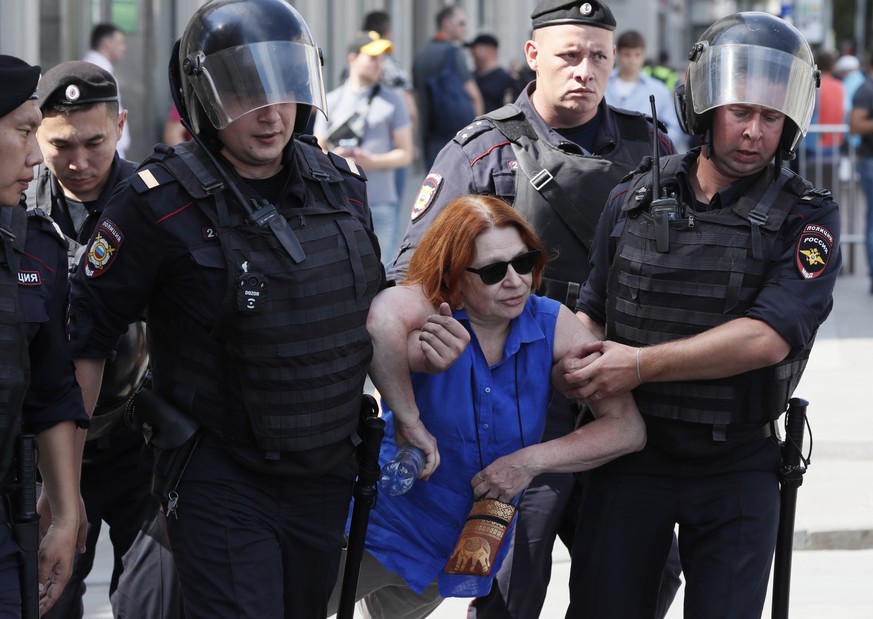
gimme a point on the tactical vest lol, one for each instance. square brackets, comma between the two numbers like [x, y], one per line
[710, 274]
[561, 194]
[14, 359]
[291, 347]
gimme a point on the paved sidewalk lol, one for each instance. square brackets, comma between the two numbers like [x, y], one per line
[833, 567]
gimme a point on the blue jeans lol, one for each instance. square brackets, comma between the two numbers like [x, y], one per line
[387, 227]
[865, 170]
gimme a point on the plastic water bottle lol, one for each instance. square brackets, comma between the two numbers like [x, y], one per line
[399, 474]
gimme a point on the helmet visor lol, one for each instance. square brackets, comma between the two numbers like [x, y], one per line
[754, 75]
[242, 79]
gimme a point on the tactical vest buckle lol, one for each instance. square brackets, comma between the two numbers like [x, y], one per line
[541, 179]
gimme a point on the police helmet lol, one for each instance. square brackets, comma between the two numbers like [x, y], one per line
[750, 58]
[237, 56]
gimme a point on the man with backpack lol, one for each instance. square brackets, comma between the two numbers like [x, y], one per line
[448, 98]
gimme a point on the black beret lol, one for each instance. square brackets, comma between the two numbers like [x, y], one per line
[76, 83]
[17, 83]
[554, 12]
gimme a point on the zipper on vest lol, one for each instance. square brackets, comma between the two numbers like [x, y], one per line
[691, 221]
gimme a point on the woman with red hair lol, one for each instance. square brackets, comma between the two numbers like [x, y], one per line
[476, 267]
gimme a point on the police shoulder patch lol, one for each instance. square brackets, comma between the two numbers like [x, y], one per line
[427, 194]
[103, 249]
[814, 249]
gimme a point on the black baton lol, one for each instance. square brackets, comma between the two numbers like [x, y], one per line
[790, 477]
[25, 526]
[371, 429]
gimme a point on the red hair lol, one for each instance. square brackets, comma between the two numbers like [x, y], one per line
[449, 245]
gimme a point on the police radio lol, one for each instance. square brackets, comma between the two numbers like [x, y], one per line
[664, 207]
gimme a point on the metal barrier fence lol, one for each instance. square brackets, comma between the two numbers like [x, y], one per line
[827, 158]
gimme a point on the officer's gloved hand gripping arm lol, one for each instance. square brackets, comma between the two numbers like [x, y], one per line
[410, 335]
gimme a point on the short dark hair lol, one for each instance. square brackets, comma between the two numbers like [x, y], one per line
[444, 13]
[102, 31]
[380, 21]
[825, 60]
[630, 39]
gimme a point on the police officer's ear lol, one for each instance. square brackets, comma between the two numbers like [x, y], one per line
[531, 52]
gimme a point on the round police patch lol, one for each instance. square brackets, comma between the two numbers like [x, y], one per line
[813, 251]
[104, 248]
[427, 194]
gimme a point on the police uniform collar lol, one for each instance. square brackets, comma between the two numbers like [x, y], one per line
[731, 194]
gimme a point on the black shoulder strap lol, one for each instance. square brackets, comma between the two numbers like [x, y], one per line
[519, 131]
[331, 190]
[262, 214]
[210, 184]
[759, 215]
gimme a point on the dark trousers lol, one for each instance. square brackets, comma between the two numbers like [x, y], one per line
[249, 545]
[10, 575]
[727, 508]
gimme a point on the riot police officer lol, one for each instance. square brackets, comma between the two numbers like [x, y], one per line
[78, 135]
[711, 286]
[253, 253]
[38, 392]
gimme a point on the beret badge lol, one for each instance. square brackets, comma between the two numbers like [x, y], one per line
[72, 93]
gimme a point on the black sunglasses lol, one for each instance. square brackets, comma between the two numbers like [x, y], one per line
[495, 272]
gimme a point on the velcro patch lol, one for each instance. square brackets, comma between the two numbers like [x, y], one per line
[813, 251]
[104, 248]
[29, 278]
[427, 194]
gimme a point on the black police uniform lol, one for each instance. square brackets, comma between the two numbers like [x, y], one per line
[116, 469]
[709, 464]
[481, 160]
[245, 340]
[33, 277]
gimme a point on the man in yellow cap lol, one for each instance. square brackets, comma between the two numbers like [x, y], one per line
[370, 125]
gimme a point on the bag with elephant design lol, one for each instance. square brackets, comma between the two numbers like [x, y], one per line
[481, 538]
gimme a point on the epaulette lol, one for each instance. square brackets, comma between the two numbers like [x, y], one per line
[346, 166]
[149, 177]
[817, 196]
[475, 128]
